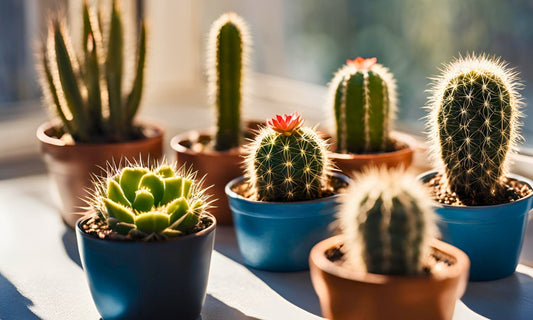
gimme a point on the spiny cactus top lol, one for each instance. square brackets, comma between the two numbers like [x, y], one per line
[387, 221]
[363, 96]
[286, 161]
[228, 47]
[139, 201]
[72, 81]
[474, 112]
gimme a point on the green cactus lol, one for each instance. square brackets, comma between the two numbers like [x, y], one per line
[475, 109]
[363, 95]
[227, 59]
[139, 202]
[287, 162]
[387, 222]
[71, 82]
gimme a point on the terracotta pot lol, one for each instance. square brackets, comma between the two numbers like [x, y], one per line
[348, 163]
[71, 166]
[346, 294]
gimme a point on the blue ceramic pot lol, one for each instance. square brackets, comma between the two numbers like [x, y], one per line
[491, 236]
[147, 280]
[278, 236]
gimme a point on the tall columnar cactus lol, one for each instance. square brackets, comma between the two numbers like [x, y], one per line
[363, 95]
[227, 59]
[287, 162]
[475, 109]
[140, 202]
[387, 222]
[81, 86]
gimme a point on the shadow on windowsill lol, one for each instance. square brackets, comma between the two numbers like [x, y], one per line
[295, 287]
[71, 245]
[13, 304]
[214, 308]
[508, 298]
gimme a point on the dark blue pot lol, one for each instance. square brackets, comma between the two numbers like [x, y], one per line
[147, 280]
[491, 236]
[278, 236]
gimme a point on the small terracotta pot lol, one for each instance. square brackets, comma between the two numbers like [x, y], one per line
[350, 162]
[346, 294]
[71, 166]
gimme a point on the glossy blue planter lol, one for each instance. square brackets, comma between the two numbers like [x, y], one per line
[278, 236]
[491, 236]
[148, 280]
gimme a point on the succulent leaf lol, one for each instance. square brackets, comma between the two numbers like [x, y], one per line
[155, 185]
[130, 179]
[151, 222]
[115, 193]
[177, 209]
[173, 189]
[144, 201]
[165, 172]
[118, 211]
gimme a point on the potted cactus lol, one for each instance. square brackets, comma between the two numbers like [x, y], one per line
[386, 264]
[287, 200]
[219, 152]
[474, 115]
[363, 97]
[95, 116]
[147, 250]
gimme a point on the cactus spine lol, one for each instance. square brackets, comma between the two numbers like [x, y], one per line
[227, 59]
[363, 95]
[475, 109]
[72, 82]
[287, 162]
[387, 222]
[139, 201]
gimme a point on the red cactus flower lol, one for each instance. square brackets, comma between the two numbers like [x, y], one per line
[362, 63]
[286, 124]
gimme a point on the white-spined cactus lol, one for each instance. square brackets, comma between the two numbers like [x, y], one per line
[363, 96]
[287, 162]
[387, 221]
[474, 123]
[139, 201]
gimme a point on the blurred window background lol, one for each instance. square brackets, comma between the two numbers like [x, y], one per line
[301, 40]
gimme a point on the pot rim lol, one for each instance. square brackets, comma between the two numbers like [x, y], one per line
[234, 195]
[46, 139]
[405, 138]
[201, 233]
[430, 173]
[318, 258]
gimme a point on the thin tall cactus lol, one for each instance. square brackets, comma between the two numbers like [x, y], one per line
[228, 47]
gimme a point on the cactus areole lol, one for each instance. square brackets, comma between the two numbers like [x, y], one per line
[363, 97]
[286, 161]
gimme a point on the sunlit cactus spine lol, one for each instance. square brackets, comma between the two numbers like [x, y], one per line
[474, 122]
[287, 162]
[81, 86]
[228, 47]
[140, 202]
[363, 96]
[387, 222]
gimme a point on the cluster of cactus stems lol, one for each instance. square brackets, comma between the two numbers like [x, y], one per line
[229, 43]
[85, 89]
[287, 162]
[474, 122]
[363, 95]
[140, 202]
[387, 222]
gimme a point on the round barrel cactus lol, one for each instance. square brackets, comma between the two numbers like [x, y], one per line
[140, 201]
[287, 162]
[363, 95]
[387, 222]
[475, 109]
